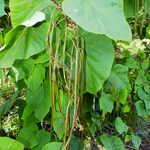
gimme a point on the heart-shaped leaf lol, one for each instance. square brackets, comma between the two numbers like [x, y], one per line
[99, 16]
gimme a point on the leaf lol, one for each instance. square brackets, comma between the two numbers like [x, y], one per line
[112, 142]
[129, 8]
[120, 125]
[10, 144]
[43, 138]
[132, 63]
[76, 143]
[106, 103]
[136, 140]
[36, 78]
[42, 59]
[2, 7]
[37, 17]
[145, 97]
[119, 77]
[122, 96]
[118, 83]
[53, 146]
[39, 100]
[22, 43]
[59, 125]
[141, 111]
[28, 9]
[126, 109]
[27, 135]
[28, 116]
[99, 56]
[99, 16]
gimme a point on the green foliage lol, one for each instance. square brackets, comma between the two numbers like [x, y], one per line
[106, 103]
[136, 141]
[10, 144]
[74, 89]
[15, 49]
[120, 125]
[112, 142]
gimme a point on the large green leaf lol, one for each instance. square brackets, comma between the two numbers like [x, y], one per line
[2, 6]
[22, 42]
[99, 56]
[23, 10]
[10, 144]
[99, 16]
[120, 125]
[112, 142]
[39, 100]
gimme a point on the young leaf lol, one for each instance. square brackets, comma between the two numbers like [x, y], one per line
[99, 16]
[99, 56]
[10, 144]
[136, 140]
[120, 125]
[112, 142]
[106, 103]
[126, 109]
